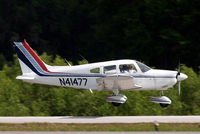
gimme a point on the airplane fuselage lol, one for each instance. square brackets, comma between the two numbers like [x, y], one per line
[81, 76]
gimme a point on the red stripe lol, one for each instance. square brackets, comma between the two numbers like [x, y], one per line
[35, 56]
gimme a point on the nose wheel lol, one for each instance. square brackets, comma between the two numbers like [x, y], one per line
[116, 104]
[164, 101]
[163, 105]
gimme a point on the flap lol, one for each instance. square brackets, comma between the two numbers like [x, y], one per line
[121, 82]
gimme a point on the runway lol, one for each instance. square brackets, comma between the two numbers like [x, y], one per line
[28, 132]
[102, 119]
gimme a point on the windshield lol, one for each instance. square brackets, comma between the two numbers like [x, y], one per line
[144, 68]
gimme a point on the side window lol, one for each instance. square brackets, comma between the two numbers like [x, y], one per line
[110, 69]
[95, 70]
[127, 68]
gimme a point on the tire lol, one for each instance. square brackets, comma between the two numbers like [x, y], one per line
[116, 104]
[163, 105]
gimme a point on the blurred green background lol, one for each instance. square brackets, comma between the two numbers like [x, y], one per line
[158, 33]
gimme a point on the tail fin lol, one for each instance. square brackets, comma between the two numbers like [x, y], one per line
[25, 69]
[29, 61]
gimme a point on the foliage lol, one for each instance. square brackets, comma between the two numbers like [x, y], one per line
[156, 32]
[18, 98]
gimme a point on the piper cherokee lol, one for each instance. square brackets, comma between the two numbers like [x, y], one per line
[115, 76]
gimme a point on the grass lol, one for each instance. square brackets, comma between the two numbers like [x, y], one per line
[99, 127]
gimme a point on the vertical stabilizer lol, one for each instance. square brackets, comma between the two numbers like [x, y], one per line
[29, 61]
[25, 69]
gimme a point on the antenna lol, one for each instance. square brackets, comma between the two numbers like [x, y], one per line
[83, 58]
[67, 62]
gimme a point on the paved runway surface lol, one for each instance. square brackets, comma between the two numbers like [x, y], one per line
[19, 132]
[104, 119]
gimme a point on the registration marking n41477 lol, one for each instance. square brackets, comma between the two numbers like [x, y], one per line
[73, 81]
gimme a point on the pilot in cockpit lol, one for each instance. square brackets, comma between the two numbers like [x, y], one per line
[132, 69]
[124, 69]
[128, 69]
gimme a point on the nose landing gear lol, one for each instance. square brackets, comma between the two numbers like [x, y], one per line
[164, 101]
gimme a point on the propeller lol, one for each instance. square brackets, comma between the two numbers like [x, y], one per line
[177, 75]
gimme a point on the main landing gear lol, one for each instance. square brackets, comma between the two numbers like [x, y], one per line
[116, 99]
[164, 101]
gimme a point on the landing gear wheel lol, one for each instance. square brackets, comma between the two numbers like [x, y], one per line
[116, 104]
[163, 105]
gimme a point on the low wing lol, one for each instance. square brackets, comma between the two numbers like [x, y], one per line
[121, 82]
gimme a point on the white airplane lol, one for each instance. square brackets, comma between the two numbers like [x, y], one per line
[115, 76]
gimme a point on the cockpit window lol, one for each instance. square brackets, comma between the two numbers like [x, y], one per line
[110, 69]
[95, 70]
[127, 68]
[144, 68]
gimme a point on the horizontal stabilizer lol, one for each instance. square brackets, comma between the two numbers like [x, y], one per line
[25, 78]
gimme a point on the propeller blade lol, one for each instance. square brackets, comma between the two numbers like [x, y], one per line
[179, 67]
[179, 70]
[179, 82]
[179, 88]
